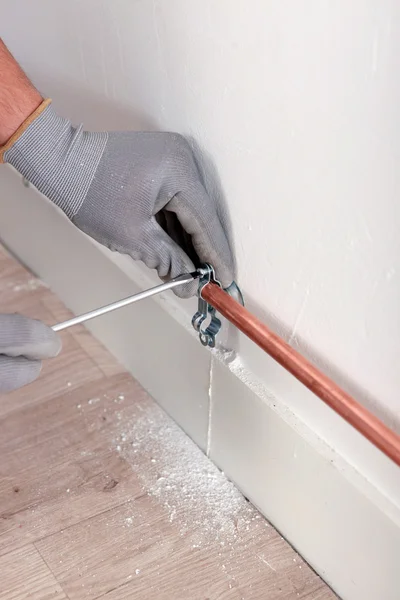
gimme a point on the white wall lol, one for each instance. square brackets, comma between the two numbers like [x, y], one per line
[295, 107]
[296, 104]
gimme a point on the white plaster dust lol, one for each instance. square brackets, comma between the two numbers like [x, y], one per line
[172, 469]
[26, 285]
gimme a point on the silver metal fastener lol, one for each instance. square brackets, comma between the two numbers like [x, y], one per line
[169, 285]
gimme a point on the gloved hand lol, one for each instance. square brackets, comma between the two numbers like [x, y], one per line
[24, 343]
[135, 192]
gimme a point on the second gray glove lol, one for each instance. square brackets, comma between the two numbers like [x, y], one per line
[24, 343]
[139, 193]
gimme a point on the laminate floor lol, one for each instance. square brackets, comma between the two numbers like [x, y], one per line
[103, 496]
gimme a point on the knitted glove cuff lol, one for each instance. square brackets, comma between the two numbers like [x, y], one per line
[60, 160]
[22, 128]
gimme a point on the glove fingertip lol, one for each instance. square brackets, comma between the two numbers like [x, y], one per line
[45, 342]
[52, 347]
[33, 339]
[16, 372]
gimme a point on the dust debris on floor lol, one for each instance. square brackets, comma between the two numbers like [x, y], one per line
[103, 496]
[172, 469]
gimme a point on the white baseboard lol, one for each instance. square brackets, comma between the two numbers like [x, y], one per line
[340, 521]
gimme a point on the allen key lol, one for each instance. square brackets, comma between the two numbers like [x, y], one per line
[158, 289]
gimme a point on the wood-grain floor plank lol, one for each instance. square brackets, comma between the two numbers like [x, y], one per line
[34, 581]
[56, 468]
[102, 496]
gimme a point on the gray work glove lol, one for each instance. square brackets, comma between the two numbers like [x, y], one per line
[135, 192]
[24, 343]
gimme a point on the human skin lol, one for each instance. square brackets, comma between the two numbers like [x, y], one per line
[18, 96]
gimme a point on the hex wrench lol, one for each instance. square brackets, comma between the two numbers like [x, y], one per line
[158, 289]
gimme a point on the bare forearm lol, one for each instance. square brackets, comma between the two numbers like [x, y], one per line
[18, 97]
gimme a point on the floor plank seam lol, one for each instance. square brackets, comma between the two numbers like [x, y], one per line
[50, 569]
[174, 528]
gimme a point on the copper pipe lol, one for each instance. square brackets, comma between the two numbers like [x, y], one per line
[342, 403]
